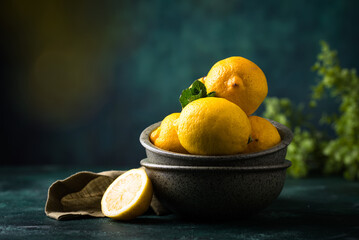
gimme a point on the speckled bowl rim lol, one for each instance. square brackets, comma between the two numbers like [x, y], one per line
[145, 163]
[286, 135]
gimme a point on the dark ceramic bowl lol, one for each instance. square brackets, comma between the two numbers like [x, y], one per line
[272, 156]
[216, 191]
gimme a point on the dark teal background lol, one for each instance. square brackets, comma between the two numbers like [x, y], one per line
[80, 80]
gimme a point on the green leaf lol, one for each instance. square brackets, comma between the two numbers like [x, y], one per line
[211, 94]
[196, 91]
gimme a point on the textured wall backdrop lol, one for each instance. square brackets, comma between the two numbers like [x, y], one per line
[81, 79]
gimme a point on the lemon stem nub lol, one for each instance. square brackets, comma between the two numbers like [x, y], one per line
[250, 139]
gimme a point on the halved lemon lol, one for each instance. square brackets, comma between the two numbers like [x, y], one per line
[128, 197]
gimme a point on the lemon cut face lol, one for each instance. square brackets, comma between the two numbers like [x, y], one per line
[128, 197]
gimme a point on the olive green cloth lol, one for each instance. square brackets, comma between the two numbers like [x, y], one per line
[80, 196]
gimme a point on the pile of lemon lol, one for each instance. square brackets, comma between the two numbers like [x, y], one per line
[210, 125]
[223, 124]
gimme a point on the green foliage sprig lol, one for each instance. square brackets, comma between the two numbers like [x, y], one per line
[302, 149]
[341, 83]
[310, 150]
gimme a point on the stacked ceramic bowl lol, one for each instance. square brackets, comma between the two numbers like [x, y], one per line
[217, 186]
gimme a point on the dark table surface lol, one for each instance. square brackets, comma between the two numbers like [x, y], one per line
[314, 208]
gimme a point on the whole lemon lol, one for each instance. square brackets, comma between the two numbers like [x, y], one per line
[213, 126]
[165, 136]
[264, 135]
[240, 81]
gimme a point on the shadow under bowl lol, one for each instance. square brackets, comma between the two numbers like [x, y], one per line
[216, 191]
[272, 156]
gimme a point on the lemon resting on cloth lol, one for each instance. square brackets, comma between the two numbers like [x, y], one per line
[129, 196]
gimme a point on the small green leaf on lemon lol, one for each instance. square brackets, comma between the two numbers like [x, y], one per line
[196, 91]
[211, 94]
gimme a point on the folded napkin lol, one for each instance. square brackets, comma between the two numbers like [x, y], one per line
[80, 196]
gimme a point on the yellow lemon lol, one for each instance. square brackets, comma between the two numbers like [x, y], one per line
[165, 136]
[264, 135]
[240, 81]
[213, 126]
[128, 197]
